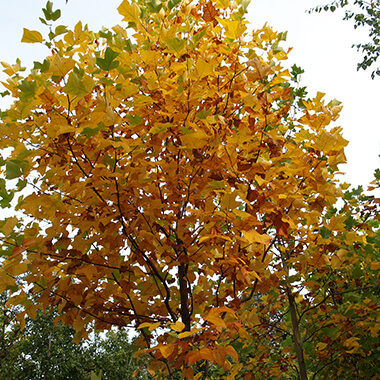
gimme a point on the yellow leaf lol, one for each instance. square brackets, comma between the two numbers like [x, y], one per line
[120, 30]
[375, 330]
[208, 237]
[230, 351]
[216, 320]
[194, 140]
[234, 29]
[131, 12]
[224, 4]
[244, 334]
[151, 326]
[336, 263]
[78, 32]
[287, 219]
[254, 275]
[254, 237]
[352, 344]
[241, 214]
[352, 236]
[10, 69]
[259, 180]
[61, 68]
[31, 36]
[9, 225]
[330, 141]
[189, 333]
[178, 326]
[375, 265]
[203, 68]
[321, 346]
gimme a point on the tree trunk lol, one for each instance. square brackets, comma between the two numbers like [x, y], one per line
[296, 336]
[295, 325]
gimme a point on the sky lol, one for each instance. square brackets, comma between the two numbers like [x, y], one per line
[321, 46]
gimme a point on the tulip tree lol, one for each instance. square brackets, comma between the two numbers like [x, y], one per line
[169, 176]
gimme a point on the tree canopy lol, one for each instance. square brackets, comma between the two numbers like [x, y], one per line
[170, 176]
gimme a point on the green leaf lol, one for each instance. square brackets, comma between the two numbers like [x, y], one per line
[77, 86]
[60, 29]
[175, 45]
[134, 120]
[15, 168]
[92, 131]
[109, 161]
[201, 115]
[349, 223]
[296, 71]
[324, 232]
[95, 376]
[6, 196]
[21, 184]
[173, 3]
[48, 11]
[28, 90]
[282, 36]
[31, 36]
[129, 46]
[44, 66]
[153, 6]
[199, 35]
[107, 63]
[56, 15]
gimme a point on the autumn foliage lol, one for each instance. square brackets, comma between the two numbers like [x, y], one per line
[171, 179]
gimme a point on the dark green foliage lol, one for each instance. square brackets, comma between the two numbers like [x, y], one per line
[44, 351]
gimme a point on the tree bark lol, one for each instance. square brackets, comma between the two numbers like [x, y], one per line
[296, 336]
[295, 325]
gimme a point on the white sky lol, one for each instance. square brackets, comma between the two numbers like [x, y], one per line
[321, 46]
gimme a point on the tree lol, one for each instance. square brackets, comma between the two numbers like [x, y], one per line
[364, 13]
[113, 355]
[173, 179]
[335, 308]
[43, 350]
[8, 340]
[46, 352]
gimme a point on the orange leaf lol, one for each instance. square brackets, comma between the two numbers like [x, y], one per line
[214, 318]
[166, 350]
[16, 251]
[203, 354]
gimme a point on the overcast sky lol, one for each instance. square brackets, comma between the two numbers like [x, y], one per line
[321, 46]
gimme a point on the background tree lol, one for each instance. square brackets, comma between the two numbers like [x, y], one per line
[43, 350]
[363, 13]
[335, 308]
[175, 184]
